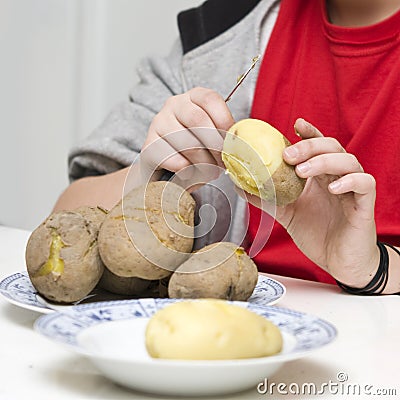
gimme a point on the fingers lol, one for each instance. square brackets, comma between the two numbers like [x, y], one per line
[214, 105]
[329, 164]
[188, 113]
[158, 154]
[318, 156]
[306, 149]
[362, 185]
[190, 124]
[203, 108]
[182, 140]
[305, 130]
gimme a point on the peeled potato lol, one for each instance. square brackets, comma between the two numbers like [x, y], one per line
[210, 330]
[252, 154]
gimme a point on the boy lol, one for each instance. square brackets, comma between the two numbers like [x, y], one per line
[330, 62]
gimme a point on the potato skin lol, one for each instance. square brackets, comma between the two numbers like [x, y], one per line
[220, 270]
[123, 286]
[95, 215]
[288, 185]
[149, 233]
[82, 266]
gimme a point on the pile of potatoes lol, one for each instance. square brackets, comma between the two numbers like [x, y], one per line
[140, 248]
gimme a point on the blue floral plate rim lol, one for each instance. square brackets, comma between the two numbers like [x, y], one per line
[17, 289]
[308, 331]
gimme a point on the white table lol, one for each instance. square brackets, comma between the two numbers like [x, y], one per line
[367, 349]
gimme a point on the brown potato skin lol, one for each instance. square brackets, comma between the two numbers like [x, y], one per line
[221, 270]
[288, 185]
[83, 267]
[149, 233]
[95, 215]
[121, 285]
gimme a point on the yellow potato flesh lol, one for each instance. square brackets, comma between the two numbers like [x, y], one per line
[252, 152]
[54, 263]
[210, 330]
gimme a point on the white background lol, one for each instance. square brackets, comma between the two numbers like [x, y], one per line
[64, 64]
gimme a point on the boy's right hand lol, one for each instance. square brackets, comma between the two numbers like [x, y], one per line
[189, 130]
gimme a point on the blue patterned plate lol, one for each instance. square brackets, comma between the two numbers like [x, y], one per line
[18, 290]
[111, 335]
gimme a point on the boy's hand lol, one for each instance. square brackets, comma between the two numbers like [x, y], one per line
[173, 143]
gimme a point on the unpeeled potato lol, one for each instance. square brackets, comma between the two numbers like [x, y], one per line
[220, 270]
[149, 233]
[122, 285]
[62, 256]
[252, 154]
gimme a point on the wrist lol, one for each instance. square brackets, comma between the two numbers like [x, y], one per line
[393, 285]
[362, 275]
[377, 280]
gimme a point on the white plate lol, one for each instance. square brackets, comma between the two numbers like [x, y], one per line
[111, 335]
[18, 290]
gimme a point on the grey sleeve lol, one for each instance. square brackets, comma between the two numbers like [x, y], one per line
[117, 141]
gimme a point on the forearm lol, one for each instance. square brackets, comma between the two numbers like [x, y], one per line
[104, 191]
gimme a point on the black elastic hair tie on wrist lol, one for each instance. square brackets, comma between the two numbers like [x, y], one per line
[379, 281]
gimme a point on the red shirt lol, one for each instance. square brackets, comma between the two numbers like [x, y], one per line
[345, 81]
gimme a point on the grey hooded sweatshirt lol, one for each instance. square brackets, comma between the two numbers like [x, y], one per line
[217, 41]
